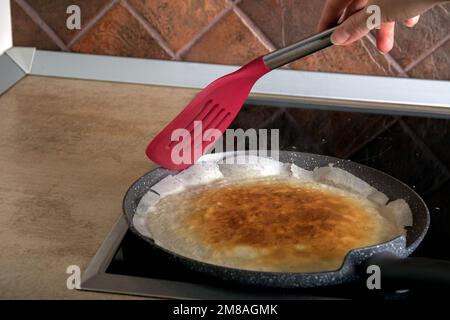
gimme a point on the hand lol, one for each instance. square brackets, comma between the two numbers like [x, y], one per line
[354, 17]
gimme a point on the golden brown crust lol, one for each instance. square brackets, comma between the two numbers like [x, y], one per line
[280, 225]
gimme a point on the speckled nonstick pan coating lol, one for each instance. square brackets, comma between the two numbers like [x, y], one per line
[401, 246]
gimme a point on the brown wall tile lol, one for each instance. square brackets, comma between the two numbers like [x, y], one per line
[179, 21]
[410, 43]
[26, 33]
[229, 42]
[435, 66]
[284, 22]
[54, 14]
[120, 34]
[359, 58]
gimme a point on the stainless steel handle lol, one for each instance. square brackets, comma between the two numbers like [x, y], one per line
[299, 49]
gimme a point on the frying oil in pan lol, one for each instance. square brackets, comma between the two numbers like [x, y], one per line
[269, 224]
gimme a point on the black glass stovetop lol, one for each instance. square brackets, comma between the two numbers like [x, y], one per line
[136, 258]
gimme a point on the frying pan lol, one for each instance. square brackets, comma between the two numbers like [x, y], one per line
[396, 269]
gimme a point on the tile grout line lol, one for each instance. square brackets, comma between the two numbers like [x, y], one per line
[42, 24]
[427, 53]
[254, 29]
[232, 2]
[367, 47]
[188, 46]
[107, 8]
[282, 20]
[398, 68]
[149, 28]
[242, 16]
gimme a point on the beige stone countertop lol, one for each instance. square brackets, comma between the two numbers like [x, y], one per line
[69, 150]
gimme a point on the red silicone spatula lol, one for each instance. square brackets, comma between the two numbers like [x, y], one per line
[193, 132]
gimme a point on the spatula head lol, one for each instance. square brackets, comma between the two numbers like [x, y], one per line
[194, 131]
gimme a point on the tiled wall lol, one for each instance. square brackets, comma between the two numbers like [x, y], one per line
[228, 32]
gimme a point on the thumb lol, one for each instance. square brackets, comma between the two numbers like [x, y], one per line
[352, 29]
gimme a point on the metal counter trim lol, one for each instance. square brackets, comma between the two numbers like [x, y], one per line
[375, 92]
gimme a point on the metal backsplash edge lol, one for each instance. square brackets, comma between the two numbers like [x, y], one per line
[349, 92]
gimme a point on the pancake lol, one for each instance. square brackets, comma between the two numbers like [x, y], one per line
[279, 224]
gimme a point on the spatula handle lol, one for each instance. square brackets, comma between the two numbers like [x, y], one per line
[299, 49]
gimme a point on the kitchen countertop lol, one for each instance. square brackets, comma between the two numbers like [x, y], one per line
[69, 150]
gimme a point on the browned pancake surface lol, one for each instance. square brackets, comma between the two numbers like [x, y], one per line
[274, 225]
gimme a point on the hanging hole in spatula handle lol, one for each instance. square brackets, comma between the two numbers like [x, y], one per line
[411, 273]
[299, 49]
